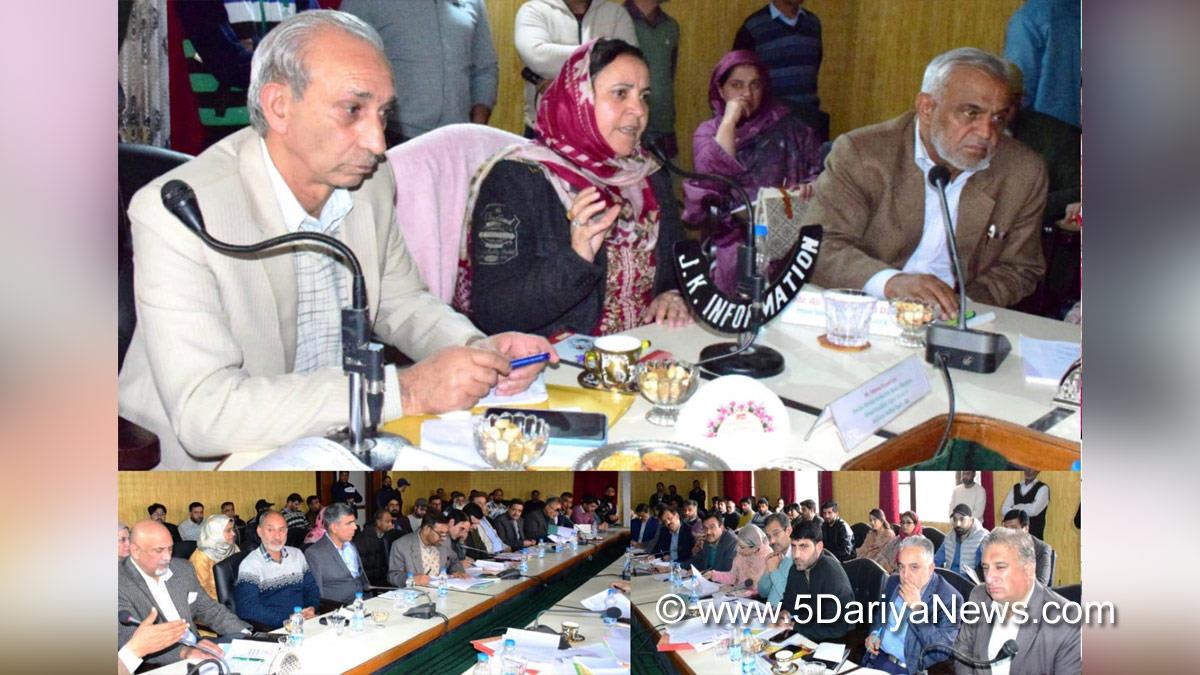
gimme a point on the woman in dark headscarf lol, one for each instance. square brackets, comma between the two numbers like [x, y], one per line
[575, 230]
[752, 139]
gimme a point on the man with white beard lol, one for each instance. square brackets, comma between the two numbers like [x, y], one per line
[883, 219]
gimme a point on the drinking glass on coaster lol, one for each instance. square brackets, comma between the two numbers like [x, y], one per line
[913, 316]
[380, 618]
[847, 319]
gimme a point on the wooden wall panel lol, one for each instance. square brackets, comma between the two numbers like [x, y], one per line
[766, 484]
[875, 52]
[176, 489]
[1060, 520]
[856, 493]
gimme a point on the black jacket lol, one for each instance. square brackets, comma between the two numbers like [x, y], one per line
[683, 549]
[373, 550]
[839, 539]
[726, 549]
[525, 275]
[825, 578]
[507, 530]
[536, 527]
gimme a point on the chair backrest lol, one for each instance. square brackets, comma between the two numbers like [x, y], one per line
[225, 578]
[184, 549]
[1074, 592]
[866, 578]
[959, 582]
[433, 176]
[934, 535]
[295, 536]
[860, 530]
[137, 165]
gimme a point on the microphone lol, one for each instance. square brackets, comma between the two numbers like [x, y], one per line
[609, 612]
[426, 610]
[1008, 650]
[963, 348]
[362, 360]
[730, 358]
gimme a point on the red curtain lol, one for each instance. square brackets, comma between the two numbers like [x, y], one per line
[594, 483]
[825, 488]
[889, 495]
[989, 518]
[737, 484]
[787, 486]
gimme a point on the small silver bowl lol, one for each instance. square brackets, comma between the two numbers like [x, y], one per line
[667, 384]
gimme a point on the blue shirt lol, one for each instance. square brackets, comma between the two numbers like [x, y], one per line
[675, 544]
[349, 555]
[776, 14]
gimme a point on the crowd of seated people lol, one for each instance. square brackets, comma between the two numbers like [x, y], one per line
[797, 551]
[289, 563]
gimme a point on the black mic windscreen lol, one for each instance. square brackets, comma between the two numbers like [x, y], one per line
[939, 176]
[179, 198]
[127, 618]
[1011, 647]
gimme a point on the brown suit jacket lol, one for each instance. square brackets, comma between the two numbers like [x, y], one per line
[871, 201]
[1045, 649]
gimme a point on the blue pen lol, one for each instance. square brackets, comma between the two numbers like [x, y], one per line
[530, 360]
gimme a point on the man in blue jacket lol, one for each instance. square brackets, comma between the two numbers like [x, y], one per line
[644, 526]
[910, 623]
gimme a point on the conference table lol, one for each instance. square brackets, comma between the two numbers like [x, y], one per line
[376, 648]
[813, 376]
[644, 598]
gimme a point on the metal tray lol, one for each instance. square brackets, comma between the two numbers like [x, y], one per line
[697, 459]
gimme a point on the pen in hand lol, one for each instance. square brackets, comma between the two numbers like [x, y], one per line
[529, 360]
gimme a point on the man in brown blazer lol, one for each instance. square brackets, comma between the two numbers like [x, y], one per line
[1045, 644]
[237, 353]
[883, 223]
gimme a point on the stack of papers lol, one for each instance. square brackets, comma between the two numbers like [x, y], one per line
[693, 631]
[491, 566]
[703, 586]
[468, 584]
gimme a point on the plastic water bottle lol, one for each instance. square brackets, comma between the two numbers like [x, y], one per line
[627, 568]
[482, 667]
[508, 658]
[443, 588]
[610, 601]
[761, 262]
[748, 665]
[541, 551]
[295, 634]
[358, 615]
[694, 596]
[735, 645]
[409, 583]
[524, 566]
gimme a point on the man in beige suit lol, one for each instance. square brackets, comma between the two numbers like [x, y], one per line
[883, 221]
[238, 353]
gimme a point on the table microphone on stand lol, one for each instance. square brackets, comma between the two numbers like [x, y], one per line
[742, 357]
[963, 348]
[362, 360]
[1009, 649]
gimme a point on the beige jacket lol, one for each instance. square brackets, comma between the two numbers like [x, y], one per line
[209, 368]
[871, 200]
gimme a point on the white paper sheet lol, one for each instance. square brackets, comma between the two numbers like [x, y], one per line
[596, 602]
[703, 586]
[307, 454]
[250, 657]
[468, 584]
[534, 645]
[536, 393]
[490, 566]
[695, 631]
[1046, 361]
[831, 652]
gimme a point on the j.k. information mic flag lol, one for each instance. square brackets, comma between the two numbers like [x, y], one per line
[731, 315]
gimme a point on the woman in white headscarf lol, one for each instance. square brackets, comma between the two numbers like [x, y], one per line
[214, 545]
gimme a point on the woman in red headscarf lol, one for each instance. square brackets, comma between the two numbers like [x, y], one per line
[752, 139]
[575, 230]
[910, 525]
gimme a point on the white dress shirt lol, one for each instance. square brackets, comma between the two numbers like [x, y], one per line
[1003, 632]
[931, 255]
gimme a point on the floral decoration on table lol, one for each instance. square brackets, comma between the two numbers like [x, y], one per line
[740, 416]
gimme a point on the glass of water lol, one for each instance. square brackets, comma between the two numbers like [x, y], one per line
[847, 316]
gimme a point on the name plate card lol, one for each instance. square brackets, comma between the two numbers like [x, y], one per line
[858, 414]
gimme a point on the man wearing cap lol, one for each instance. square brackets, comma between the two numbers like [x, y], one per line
[963, 551]
[420, 507]
[292, 513]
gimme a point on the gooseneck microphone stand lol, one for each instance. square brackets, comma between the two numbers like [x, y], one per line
[1008, 650]
[362, 359]
[741, 357]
